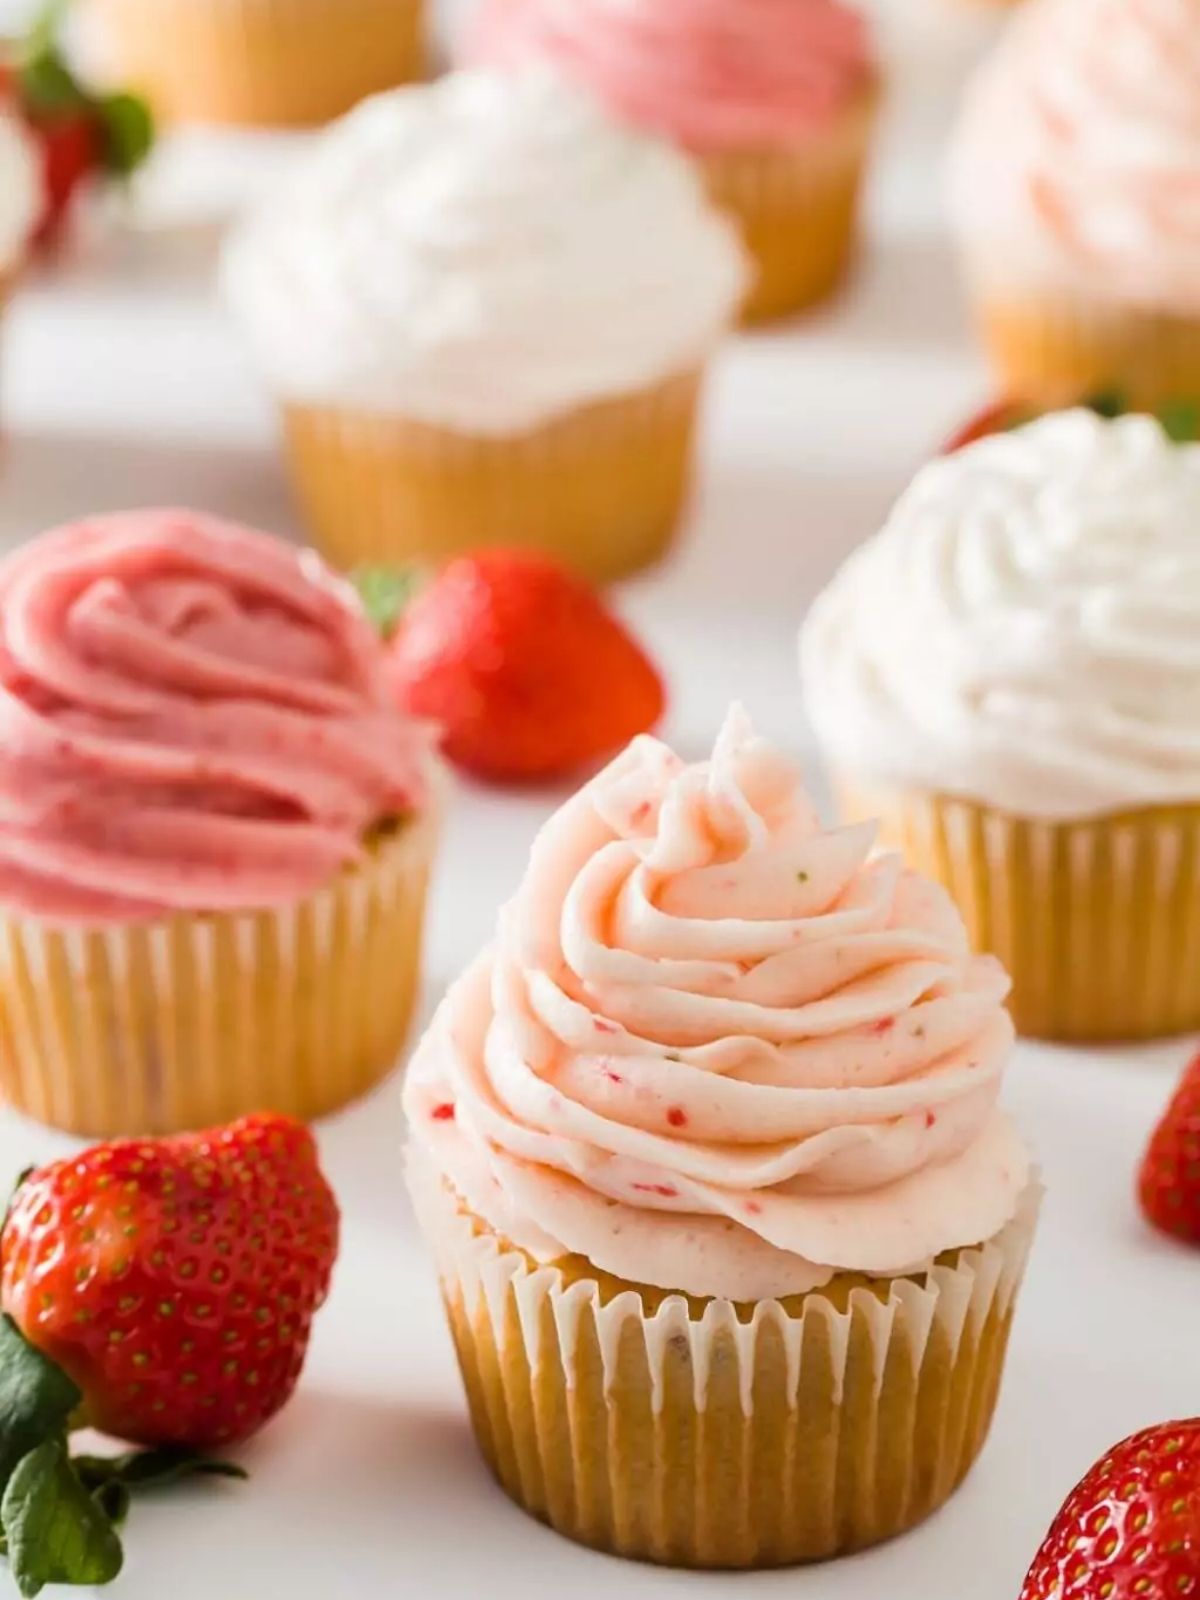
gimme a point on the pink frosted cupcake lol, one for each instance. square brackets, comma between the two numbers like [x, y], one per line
[215, 830]
[775, 98]
[1076, 195]
[729, 1222]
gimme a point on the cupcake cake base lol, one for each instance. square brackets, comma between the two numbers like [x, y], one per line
[1098, 921]
[602, 488]
[705, 1434]
[191, 1021]
[281, 63]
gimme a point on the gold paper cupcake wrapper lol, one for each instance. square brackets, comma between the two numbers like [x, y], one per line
[188, 1022]
[603, 488]
[703, 1434]
[1098, 921]
[797, 208]
[285, 63]
[1052, 351]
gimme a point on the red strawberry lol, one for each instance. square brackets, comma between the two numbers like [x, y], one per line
[528, 673]
[72, 150]
[1131, 1530]
[1169, 1182]
[175, 1280]
[996, 418]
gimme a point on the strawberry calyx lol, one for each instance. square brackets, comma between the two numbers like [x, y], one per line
[385, 593]
[1179, 419]
[60, 1514]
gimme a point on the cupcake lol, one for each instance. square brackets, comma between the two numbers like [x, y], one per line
[728, 1222]
[20, 198]
[215, 831]
[775, 99]
[486, 309]
[1076, 195]
[272, 63]
[1008, 675]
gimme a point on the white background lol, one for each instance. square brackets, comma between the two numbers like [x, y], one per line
[122, 386]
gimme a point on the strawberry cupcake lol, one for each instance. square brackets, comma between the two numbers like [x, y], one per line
[215, 830]
[1007, 674]
[487, 308]
[270, 63]
[775, 100]
[729, 1223]
[1076, 196]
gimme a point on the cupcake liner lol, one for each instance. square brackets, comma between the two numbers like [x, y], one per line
[603, 488]
[267, 62]
[700, 1433]
[1051, 351]
[797, 208]
[1098, 921]
[187, 1022]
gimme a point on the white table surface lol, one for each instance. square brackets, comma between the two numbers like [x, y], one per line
[122, 386]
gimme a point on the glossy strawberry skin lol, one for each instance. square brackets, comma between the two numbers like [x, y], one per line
[1169, 1181]
[528, 674]
[176, 1280]
[1131, 1529]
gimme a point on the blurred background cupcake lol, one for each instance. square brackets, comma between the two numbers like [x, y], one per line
[707, 1144]
[1008, 675]
[776, 99]
[487, 309]
[217, 830]
[279, 63]
[1076, 196]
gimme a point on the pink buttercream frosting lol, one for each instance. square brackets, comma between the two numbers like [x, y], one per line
[710, 74]
[1078, 154]
[193, 716]
[719, 1049]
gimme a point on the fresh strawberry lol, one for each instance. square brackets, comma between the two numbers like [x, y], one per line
[527, 672]
[1180, 419]
[1131, 1530]
[175, 1280]
[1169, 1182]
[999, 417]
[71, 146]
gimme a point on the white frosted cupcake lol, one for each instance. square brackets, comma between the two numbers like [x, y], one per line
[486, 309]
[707, 1144]
[1076, 170]
[1008, 675]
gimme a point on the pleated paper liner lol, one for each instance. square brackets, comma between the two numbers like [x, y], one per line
[1051, 349]
[189, 1021]
[797, 207]
[700, 1433]
[1098, 921]
[603, 488]
[280, 63]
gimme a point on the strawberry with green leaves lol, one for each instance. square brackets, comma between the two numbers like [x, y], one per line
[1131, 1529]
[80, 135]
[162, 1291]
[528, 673]
[1180, 419]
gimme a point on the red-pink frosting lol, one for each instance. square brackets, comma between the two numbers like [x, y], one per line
[710, 74]
[193, 716]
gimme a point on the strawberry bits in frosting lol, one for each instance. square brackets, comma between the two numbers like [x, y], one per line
[718, 1049]
[193, 717]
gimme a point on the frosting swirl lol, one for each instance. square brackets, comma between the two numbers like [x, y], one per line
[193, 717]
[484, 254]
[1023, 631]
[703, 72]
[20, 190]
[1078, 154]
[719, 1050]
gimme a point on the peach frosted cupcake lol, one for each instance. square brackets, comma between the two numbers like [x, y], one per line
[215, 832]
[282, 63]
[728, 1222]
[776, 100]
[1008, 675]
[1076, 196]
[487, 309]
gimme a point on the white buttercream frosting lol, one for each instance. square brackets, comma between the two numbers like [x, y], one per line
[1025, 631]
[484, 254]
[20, 191]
